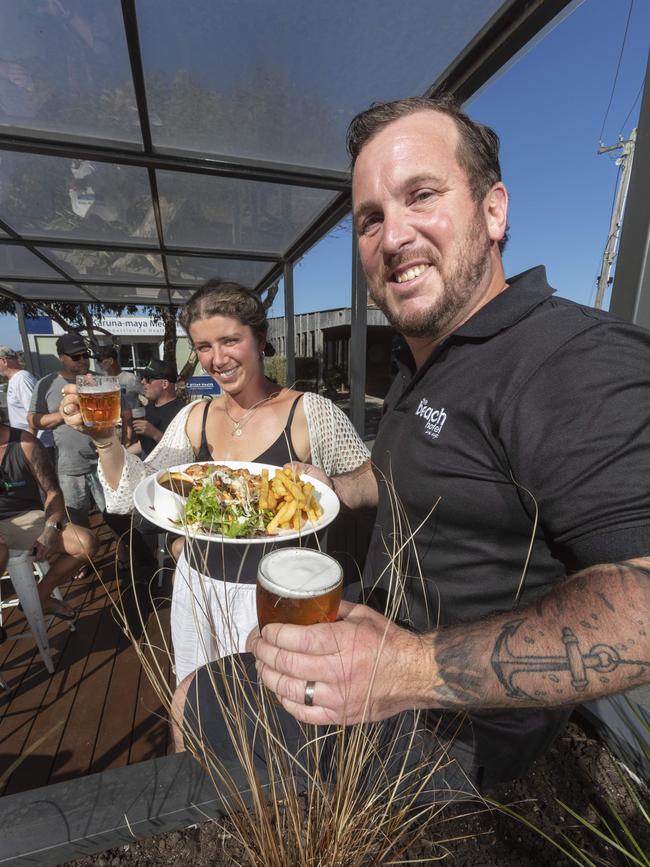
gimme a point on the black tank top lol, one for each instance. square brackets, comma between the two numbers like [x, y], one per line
[19, 491]
[238, 563]
[278, 453]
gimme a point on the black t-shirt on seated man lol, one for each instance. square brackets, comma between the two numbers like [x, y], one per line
[159, 417]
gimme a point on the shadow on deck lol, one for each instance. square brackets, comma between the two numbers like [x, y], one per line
[98, 710]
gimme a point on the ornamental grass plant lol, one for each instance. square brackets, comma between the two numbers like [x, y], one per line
[299, 812]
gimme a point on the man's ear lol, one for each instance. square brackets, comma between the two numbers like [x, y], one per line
[495, 208]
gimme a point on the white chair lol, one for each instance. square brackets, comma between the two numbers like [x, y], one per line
[25, 573]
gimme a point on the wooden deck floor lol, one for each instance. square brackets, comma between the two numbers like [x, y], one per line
[98, 710]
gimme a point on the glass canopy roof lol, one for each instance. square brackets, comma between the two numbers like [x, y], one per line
[148, 145]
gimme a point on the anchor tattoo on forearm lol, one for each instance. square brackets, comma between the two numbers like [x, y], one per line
[601, 658]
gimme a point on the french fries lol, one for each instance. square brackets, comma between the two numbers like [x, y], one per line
[238, 503]
[291, 500]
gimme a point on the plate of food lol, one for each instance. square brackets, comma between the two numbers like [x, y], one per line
[238, 502]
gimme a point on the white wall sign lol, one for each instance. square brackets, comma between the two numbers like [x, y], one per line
[144, 325]
[121, 326]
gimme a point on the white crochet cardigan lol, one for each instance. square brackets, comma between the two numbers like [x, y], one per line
[335, 448]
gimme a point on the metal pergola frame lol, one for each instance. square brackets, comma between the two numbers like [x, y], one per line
[516, 23]
[86, 814]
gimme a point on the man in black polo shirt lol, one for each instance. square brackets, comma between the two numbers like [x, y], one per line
[149, 423]
[515, 443]
[159, 385]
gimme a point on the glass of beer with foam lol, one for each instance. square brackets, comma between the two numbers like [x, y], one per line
[99, 400]
[298, 585]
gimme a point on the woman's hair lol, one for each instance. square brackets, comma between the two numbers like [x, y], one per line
[221, 298]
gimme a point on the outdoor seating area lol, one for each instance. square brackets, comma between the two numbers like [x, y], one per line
[96, 709]
[321, 575]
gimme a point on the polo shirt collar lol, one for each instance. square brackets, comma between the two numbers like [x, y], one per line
[525, 292]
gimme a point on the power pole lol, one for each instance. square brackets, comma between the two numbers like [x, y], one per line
[625, 160]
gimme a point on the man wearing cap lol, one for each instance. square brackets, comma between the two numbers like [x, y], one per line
[76, 457]
[159, 383]
[19, 393]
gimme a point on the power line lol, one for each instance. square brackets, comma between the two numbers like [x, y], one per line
[636, 99]
[618, 68]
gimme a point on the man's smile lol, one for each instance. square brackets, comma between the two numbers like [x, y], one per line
[404, 276]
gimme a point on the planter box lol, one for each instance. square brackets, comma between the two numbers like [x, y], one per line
[90, 814]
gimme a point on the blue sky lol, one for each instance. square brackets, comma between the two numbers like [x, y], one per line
[548, 109]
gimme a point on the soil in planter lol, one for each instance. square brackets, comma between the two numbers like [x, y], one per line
[577, 771]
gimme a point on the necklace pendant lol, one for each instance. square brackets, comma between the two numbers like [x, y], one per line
[237, 432]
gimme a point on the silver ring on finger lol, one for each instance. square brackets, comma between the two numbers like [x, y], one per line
[309, 693]
[66, 407]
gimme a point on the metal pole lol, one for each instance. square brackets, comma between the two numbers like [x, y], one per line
[289, 324]
[358, 341]
[626, 160]
[319, 350]
[27, 354]
[631, 290]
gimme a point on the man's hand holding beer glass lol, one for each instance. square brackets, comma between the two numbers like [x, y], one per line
[360, 665]
[352, 670]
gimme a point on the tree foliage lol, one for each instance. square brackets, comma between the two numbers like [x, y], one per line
[88, 318]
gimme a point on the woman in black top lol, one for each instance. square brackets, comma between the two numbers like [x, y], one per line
[254, 419]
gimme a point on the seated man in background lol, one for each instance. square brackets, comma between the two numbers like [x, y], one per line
[33, 517]
[159, 381]
[159, 386]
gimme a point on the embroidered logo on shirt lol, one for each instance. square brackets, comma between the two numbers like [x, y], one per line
[434, 418]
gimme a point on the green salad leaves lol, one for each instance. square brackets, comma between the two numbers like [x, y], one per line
[223, 505]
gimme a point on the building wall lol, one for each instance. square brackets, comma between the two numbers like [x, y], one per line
[128, 331]
[325, 336]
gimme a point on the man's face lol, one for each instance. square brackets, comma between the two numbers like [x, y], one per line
[153, 388]
[423, 241]
[75, 365]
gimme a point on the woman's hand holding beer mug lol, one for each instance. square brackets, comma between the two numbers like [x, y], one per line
[70, 409]
[358, 669]
[92, 405]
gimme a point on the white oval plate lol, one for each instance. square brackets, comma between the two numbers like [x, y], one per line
[160, 511]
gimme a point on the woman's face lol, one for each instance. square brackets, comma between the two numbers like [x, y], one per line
[228, 351]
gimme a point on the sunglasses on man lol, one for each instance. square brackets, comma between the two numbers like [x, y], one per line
[79, 356]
